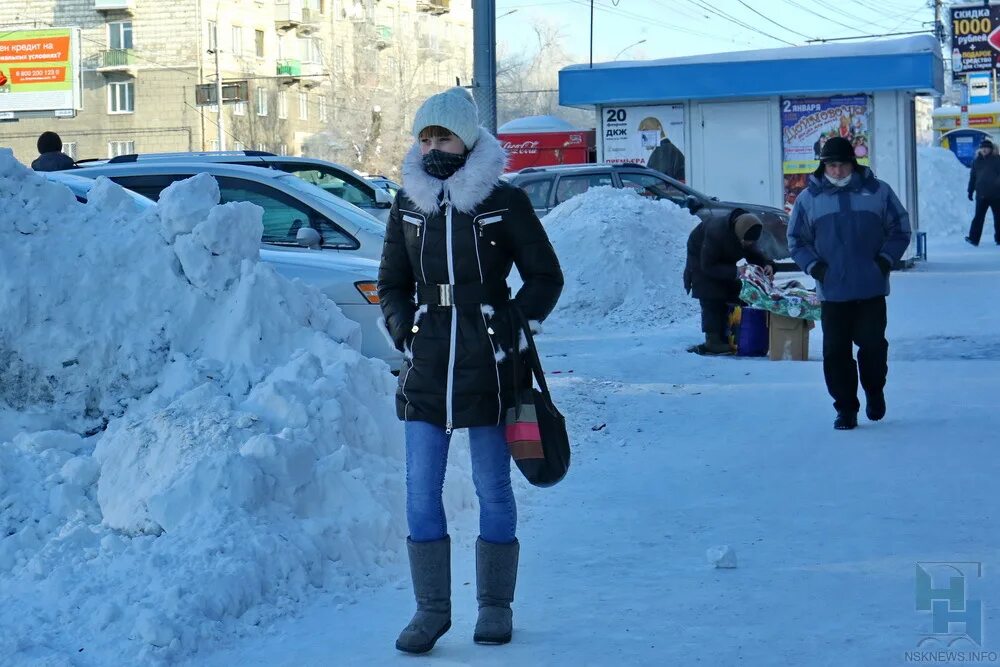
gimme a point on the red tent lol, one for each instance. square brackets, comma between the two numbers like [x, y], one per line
[538, 141]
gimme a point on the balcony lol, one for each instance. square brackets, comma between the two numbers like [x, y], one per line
[310, 22]
[313, 74]
[116, 60]
[383, 37]
[287, 14]
[433, 6]
[114, 5]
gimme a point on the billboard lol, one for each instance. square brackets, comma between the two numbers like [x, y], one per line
[975, 39]
[807, 123]
[652, 136]
[40, 72]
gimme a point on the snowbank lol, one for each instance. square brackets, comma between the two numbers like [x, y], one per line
[623, 257]
[941, 192]
[217, 445]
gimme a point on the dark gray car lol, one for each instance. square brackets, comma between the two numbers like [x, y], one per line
[547, 187]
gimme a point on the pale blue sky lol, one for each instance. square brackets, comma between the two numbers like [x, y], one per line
[688, 27]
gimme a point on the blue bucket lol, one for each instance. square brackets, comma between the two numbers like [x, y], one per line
[753, 333]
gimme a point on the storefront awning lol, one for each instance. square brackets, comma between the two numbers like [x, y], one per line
[912, 64]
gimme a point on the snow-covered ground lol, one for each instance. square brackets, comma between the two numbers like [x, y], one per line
[244, 504]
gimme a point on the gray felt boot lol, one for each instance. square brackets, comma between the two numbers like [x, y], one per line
[430, 569]
[496, 574]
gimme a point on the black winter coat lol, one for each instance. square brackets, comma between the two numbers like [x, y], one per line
[457, 370]
[53, 161]
[713, 251]
[667, 159]
[984, 177]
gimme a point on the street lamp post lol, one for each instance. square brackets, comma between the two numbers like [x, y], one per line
[629, 47]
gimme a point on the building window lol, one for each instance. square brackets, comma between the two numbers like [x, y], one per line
[303, 106]
[116, 148]
[213, 36]
[258, 42]
[121, 97]
[338, 59]
[239, 146]
[237, 40]
[214, 145]
[282, 105]
[261, 101]
[69, 148]
[262, 148]
[323, 111]
[283, 150]
[240, 109]
[120, 35]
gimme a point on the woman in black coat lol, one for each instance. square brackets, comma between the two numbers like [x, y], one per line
[454, 232]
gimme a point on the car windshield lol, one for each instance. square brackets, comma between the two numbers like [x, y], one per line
[351, 213]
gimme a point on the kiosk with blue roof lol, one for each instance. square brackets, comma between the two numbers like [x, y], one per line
[750, 124]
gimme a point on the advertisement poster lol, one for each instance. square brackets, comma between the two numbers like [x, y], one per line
[39, 71]
[651, 136]
[807, 123]
[974, 46]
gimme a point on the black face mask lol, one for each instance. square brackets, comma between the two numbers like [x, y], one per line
[442, 165]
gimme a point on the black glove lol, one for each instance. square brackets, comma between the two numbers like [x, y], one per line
[819, 271]
[884, 265]
[970, 196]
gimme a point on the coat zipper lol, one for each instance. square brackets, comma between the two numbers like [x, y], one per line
[486, 326]
[488, 221]
[449, 398]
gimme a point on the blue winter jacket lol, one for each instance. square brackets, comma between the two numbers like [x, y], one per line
[848, 228]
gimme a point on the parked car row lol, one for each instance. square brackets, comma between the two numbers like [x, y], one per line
[324, 223]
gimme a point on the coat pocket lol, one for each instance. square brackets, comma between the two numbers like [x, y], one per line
[484, 220]
[414, 221]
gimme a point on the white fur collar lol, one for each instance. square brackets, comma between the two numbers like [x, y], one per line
[467, 188]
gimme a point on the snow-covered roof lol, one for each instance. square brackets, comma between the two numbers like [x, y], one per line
[911, 63]
[537, 124]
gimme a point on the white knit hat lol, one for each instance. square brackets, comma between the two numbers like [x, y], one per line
[454, 110]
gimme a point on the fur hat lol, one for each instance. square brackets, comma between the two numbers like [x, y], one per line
[454, 110]
[986, 143]
[748, 227]
[838, 149]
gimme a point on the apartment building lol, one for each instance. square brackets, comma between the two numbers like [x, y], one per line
[340, 78]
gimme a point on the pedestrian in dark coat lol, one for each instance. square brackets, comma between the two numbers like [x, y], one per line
[847, 230]
[453, 235]
[667, 159]
[984, 181]
[50, 155]
[714, 249]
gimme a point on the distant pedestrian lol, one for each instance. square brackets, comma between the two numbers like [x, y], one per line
[50, 155]
[847, 230]
[984, 181]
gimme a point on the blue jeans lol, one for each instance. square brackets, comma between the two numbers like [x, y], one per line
[426, 458]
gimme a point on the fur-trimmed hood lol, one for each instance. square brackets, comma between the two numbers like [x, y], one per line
[467, 188]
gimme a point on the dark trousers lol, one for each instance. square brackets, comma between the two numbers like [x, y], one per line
[976, 230]
[846, 324]
[714, 316]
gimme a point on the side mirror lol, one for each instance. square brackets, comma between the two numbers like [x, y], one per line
[382, 199]
[693, 203]
[307, 237]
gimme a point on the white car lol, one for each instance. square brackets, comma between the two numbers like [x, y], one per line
[338, 180]
[289, 203]
[348, 280]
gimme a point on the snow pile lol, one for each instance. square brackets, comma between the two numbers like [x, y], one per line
[218, 447]
[623, 258]
[942, 183]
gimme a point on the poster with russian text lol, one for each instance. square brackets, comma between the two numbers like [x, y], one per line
[806, 125]
[639, 135]
[39, 71]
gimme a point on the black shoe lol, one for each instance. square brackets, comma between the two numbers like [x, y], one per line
[846, 421]
[875, 406]
[970, 242]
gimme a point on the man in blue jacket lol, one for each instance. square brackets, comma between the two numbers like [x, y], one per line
[847, 230]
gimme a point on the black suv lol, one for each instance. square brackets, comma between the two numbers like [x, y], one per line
[547, 187]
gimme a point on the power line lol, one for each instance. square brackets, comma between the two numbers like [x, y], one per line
[887, 34]
[772, 21]
[731, 19]
[825, 18]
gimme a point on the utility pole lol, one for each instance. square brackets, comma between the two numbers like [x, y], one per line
[484, 62]
[220, 117]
